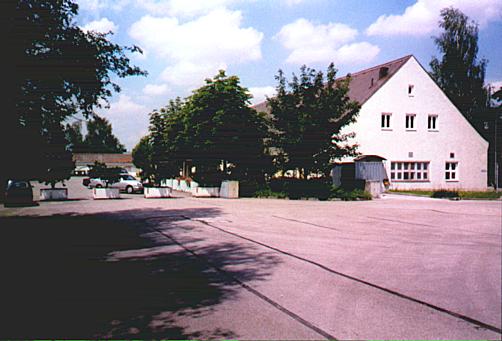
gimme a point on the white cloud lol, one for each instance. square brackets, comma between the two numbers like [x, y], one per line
[102, 26]
[96, 6]
[422, 17]
[190, 75]
[260, 93]
[310, 43]
[155, 89]
[129, 120]
[197, 49]
[182, 8]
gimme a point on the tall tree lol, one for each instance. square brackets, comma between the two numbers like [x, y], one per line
[100, 138]
[459, 72]
[307, 115]
[168, 138]
[224, 131]
[73, 134]
[142, 158]
[58, 70]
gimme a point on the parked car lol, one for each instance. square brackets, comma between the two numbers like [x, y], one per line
[18, 192]
[127, 183]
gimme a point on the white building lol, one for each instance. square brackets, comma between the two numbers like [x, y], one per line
[408, 120]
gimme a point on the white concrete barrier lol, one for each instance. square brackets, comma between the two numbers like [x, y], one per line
[157, 192]
[53, 194]
[105, 193]
[184, 186]
[229, 189]
[206, 192]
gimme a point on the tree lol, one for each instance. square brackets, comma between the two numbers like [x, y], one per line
[307, 115]
[168, 139]
[459, 72]
[73, 135]
[108, 174]
[100, 138]
[58, 70]
[57, 159]
[225, 136]
[142, 158]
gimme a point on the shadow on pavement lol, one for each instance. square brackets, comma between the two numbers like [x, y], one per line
[114, 276]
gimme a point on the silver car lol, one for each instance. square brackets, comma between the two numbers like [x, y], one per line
[127, 183]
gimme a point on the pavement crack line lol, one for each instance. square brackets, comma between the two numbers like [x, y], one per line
[358, 280]
[247, 287]
[306, 223]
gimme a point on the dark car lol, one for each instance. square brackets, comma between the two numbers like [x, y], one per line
[18, 192]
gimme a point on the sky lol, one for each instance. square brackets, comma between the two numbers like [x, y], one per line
[185, 42]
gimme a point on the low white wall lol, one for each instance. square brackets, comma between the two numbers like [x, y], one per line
[229, 189]
[105, 193]
[206, 192]
[157, 192]
[53, 194]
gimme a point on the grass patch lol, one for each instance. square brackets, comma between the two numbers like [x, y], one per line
[442, 193]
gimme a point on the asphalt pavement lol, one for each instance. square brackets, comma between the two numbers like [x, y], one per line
[394, 268]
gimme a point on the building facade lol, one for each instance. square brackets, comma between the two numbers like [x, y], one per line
[407, 119]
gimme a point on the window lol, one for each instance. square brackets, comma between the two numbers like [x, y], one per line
[431, 122]
[411, 90]
[409, 171]
[410, 121]
[452, 155]
[451, 171]
[385, 123]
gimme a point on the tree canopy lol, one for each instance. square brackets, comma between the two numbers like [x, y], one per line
[224, 130]
[59, 70]
[307, 115]
[142, 158]
[458, 71]
[215, 130]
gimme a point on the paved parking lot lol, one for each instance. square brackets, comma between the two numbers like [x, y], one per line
[395, 268]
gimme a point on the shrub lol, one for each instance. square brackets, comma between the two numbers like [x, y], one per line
[349, 195]
[302, 188]
[443, 193]
[268, 193]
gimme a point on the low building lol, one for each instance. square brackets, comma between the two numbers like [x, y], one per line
[83, 161]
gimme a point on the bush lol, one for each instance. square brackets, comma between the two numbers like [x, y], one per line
[443, 193]
[268, 193]
[301, 188]
[355, 194]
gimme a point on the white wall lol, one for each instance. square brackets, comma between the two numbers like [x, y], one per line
[454, 134]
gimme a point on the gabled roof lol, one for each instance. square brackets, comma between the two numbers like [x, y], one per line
[102, 157]
[364, 83]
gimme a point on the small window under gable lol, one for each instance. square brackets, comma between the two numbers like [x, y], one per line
[411, 90]
[385, 120]
[432, 122]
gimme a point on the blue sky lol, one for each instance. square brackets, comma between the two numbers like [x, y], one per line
[186, 41]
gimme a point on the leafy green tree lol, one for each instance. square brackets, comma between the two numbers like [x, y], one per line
[73, 135]
[142, 158]
[100, 138]
[108, 174]
[56, 70]
[307, 115]
[459, 72]
[224, 135]
[57, 159]
[167, 138]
